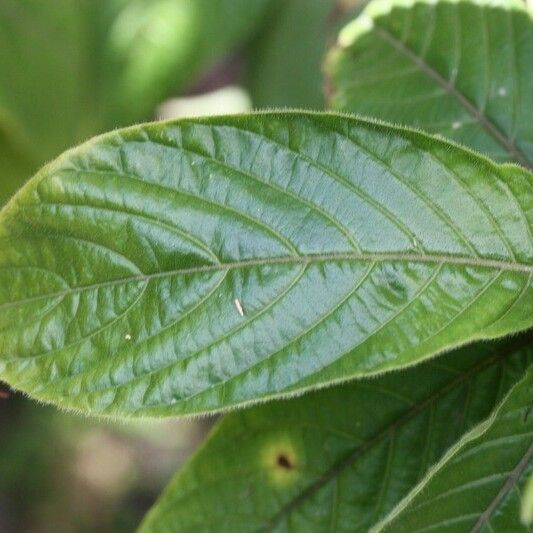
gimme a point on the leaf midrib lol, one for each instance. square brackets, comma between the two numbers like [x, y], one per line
[490, 127]
[450, 260]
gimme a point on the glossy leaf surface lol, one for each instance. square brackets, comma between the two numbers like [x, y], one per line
[340, 459]
[477, 485]
[462, 69]
[192, 266]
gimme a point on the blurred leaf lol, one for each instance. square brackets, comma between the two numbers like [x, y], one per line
[340, 459]
[161, 46]
[286, 60]
[477, 485]
[43, 85]
[461, 69]
[192, 266]
[16, 164]
[72, 68]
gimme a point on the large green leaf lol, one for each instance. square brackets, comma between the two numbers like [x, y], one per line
[340, 459]
[192, 266]
[460, 68]
[72, 68]
[477, 485]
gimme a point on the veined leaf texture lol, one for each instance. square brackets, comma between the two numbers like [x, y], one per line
[461, 69]
[193, 266]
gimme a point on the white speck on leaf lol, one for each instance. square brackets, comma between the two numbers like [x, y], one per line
[127, 337]
[456, 125]
[502, 91]
[239, 307]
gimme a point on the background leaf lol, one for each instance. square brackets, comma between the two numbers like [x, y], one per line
[191, 266]
[16, 162]
[462, 69]
[44, 76]
[160, 47]
[340, 459]
[285, 62]
[72, 68]
[477, 485]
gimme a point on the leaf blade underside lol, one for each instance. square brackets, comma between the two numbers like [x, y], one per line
[192, 266]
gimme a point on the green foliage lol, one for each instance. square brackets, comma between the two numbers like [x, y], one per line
[343, 458]
[462, 69]
[163, 45]
[15, 161]
[286, 60]
[44, 75]
[199, 265]
[192, 266]
[478, 483]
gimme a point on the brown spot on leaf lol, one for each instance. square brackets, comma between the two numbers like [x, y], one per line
[284, 462]
[282, 459]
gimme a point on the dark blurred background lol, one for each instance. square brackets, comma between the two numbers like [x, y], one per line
[60, 472]
[70, 69]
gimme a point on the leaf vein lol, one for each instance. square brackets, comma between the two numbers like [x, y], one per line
[450, 260]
